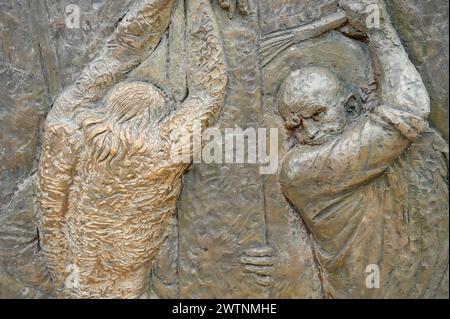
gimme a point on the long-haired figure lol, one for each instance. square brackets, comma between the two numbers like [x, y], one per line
[107, 185]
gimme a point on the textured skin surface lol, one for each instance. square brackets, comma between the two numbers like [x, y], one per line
[40, 58]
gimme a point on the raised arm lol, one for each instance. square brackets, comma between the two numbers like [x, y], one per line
[367, 148]
[400, 84]
[137, 34]
[206, 75]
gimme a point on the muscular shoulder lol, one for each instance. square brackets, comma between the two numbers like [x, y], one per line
[297, 161]
[62, 129]
[300, 171]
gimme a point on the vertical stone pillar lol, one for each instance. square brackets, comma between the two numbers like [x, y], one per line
[222, 209]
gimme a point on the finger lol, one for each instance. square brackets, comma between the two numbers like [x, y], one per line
[264, 281]
[263, 271]
[243, 7]
[257, 261]
[259, 252]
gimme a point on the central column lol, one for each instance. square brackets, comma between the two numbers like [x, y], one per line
[226, 209]
[222, 208]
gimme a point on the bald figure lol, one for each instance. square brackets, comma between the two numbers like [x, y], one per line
[372, 187]
[316, 105]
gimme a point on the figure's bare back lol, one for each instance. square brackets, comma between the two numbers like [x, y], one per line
[108, 214]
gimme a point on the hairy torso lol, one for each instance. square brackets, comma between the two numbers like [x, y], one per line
[115, 218]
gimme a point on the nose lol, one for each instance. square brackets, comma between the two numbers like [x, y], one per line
[311, 129]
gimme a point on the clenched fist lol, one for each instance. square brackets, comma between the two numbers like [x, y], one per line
[231, 6]
[364, 15]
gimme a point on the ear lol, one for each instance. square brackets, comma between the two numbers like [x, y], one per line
[353, 105]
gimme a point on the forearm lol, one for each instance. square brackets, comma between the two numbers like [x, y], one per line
[361, 153]
[183, 127]
[400, 83]
[207, 76]
[206, 61]
[140, 30]
[138, 33]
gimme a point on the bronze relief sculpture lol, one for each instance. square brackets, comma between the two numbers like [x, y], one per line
[371, 187]
[106, 183]
[362, 183]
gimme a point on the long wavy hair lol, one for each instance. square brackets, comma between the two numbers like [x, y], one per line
[124, 122]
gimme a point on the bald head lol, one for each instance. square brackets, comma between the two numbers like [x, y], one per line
[307, 87]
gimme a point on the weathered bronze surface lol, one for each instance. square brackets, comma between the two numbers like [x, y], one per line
[95, 205]
[371, 186]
